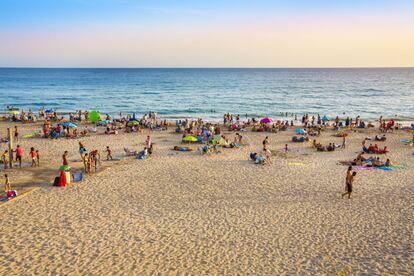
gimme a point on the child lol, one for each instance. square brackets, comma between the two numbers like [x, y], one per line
[286, 148]
[65, 158]
[86, 162]
[5, 158]
[268, 154]
[82, 149]
[38, 158]
[33, 155]
[7, 186]
[109, 153]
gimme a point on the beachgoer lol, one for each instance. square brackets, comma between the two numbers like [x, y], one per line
[90, 163]
[82, 149]
[349, 184]
[148, 144]
[65, 158]
[33, 156]
[37, 158]
[19, 154]
[5, 159]
[108, 153]
[388, 163]
[85, 160]
[16, 134]
[268, 154]
[265, 142]
[96, 158]
[7, 186]
[343, 142]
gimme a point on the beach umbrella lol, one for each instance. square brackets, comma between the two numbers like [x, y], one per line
[300, 131]
[133, 123]
[190, 138]
[266, 120]
[325, 118]
[94, 116]
[64, 168]
[106, 122]
[14, 112]
[69, 124]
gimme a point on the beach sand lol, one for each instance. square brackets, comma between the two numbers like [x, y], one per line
[181, 212]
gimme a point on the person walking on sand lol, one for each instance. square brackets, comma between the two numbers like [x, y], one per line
[65, 158]
[33, 156]
[37, 158]
[16, 134]
[148, 144]
[265, 142]
[19, 155]
[349, 184]
[343, 142]
[108, 153]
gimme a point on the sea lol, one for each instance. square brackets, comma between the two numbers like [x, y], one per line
[209, 93]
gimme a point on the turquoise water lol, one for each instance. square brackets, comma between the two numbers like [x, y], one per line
[208, 93]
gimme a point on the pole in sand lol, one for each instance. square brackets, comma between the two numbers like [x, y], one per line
[10, 148]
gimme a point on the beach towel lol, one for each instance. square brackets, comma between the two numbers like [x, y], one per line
[391, 168]
[296, 164]
[361, 168]
[406, 141]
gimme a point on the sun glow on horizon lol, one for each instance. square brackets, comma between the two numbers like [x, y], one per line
[183, 36]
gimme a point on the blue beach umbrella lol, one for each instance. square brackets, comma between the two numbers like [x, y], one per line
[300, 131]
[69, 124]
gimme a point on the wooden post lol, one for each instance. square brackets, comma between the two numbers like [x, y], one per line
[10, 148]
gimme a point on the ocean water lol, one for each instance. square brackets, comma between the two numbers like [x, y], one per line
[209, 93]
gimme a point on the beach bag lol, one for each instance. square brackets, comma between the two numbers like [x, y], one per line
[77, 177]
[12, 193]
[56, 181]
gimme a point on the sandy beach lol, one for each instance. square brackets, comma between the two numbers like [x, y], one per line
[187, 213]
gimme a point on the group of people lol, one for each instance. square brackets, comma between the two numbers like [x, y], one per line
[91, 160]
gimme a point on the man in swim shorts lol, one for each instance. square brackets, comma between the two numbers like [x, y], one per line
[349, 185]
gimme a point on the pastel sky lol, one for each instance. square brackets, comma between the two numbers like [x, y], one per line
[207, 33]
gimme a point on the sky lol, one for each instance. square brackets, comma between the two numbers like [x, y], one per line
[206, 33]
